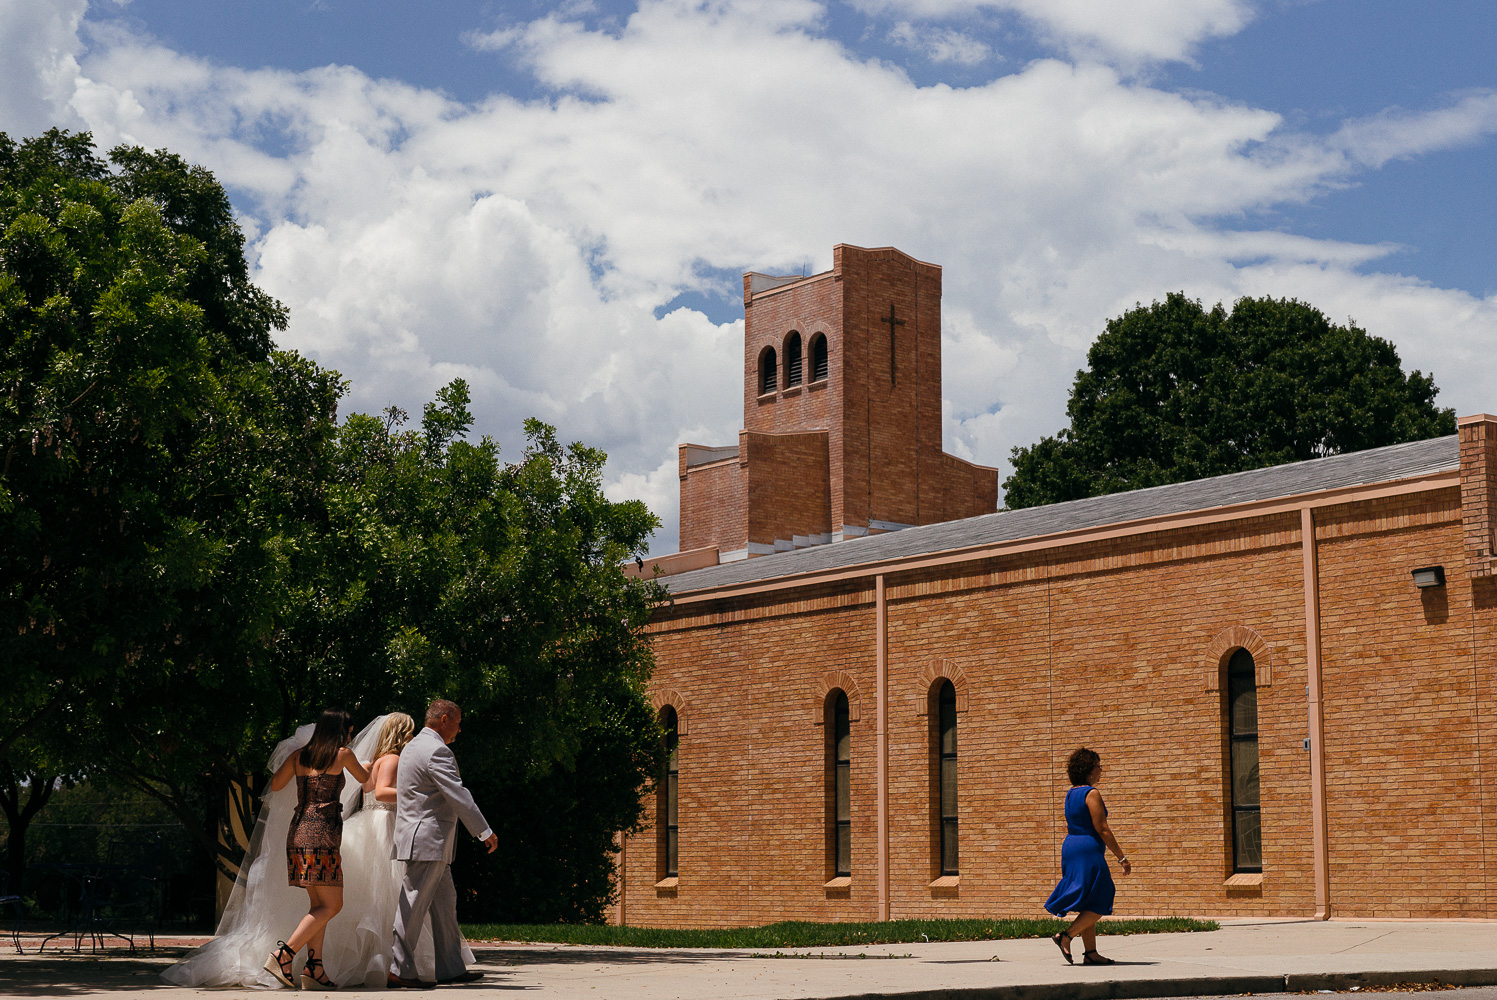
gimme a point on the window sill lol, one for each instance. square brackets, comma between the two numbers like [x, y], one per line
[946, 887]
[794, 390]
[820, 383]
[668, 883]
[840, 882]
[767, 397]
[1245, 880]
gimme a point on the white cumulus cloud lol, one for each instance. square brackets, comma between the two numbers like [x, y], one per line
[537, 247]
[1130, 32]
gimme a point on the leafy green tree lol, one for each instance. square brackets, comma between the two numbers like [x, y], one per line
[1174, 392]
[128, 326]
[499, 586]
[408, 564]
[197, 556]
[193, 724]
[146, 426]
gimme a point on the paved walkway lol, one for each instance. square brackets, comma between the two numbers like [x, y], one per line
[1243, 957]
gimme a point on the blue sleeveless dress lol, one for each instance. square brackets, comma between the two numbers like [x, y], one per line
[1085, 880]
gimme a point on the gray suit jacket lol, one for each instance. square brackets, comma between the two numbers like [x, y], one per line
[429, 800]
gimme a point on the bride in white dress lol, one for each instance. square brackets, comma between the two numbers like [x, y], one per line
[358, 940]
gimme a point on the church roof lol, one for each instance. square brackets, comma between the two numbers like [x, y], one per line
[1362, 468]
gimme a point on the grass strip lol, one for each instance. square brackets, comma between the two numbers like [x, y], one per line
[802, 934]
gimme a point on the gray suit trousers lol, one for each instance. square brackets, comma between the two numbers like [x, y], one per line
[427, 888]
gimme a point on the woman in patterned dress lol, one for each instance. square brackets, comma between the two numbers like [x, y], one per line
[313, 861]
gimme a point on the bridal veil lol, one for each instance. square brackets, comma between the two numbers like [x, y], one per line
[263, 909]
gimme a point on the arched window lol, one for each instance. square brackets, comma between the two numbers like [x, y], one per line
[769, 371]
[818, 357]
[943, 752]
[839, 783]
[1242, 738]
[792, 359]
[667, 803]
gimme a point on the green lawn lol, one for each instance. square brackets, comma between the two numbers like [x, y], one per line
[799, 934]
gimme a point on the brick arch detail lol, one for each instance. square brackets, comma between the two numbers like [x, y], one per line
[673, 698]
[831, 681]
[1227, 641]
[934, 671]
[807, 327]
[819, 331]
[779, 362]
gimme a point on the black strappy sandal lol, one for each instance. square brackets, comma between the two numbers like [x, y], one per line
[1064, 948]
[1092, 958]
[280, 964]
[314, 976]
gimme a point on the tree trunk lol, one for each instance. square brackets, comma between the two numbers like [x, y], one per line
[18, 817]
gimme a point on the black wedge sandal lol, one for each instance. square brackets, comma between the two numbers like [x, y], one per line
[280, 964]
[1065, 949]
[1093, 958]
[314, 976]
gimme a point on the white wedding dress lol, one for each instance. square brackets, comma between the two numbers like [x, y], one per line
[263, 909]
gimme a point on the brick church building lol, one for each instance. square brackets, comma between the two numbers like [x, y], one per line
[1290, 673]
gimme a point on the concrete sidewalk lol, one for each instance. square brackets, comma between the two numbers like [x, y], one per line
[1243, 957]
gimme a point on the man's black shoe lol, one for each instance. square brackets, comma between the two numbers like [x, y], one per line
[394, 982]
[471, 976]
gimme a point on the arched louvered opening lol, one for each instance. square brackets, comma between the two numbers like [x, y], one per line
[769, 371]
[818, 357]
[792, 359]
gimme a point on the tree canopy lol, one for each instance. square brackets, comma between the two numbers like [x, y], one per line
[1175, 392]
[197, 555]
[130, 339]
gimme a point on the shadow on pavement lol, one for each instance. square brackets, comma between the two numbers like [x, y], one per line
[573, 955]
[46, 976]
[76, 975]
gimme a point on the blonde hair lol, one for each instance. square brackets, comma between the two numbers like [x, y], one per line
[394, 734]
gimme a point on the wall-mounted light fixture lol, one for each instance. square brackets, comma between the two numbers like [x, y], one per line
[1429, 576]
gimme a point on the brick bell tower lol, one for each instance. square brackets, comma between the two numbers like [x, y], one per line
[841, 415]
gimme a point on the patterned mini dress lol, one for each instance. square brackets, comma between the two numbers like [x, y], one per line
[312, 844]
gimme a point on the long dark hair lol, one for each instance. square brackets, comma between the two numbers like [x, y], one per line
[327, 739]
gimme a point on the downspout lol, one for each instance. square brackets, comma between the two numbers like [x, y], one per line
[1313, 691]
[623, 869]
[881, 739]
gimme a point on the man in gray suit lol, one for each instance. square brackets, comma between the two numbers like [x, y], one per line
[429, 801]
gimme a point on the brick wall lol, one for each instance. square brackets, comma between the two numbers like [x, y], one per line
[787, 485]
[1478, 437]
[1403, 737]
[967, 489]
[1114, 645]
[714, 505]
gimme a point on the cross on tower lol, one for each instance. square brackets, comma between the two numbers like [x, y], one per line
[893, 322]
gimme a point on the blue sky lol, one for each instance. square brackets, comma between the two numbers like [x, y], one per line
[554, 200]
[1316, 63]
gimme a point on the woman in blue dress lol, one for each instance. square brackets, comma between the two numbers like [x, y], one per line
[1085, 886]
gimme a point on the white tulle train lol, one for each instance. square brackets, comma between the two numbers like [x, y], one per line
[263, 909]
